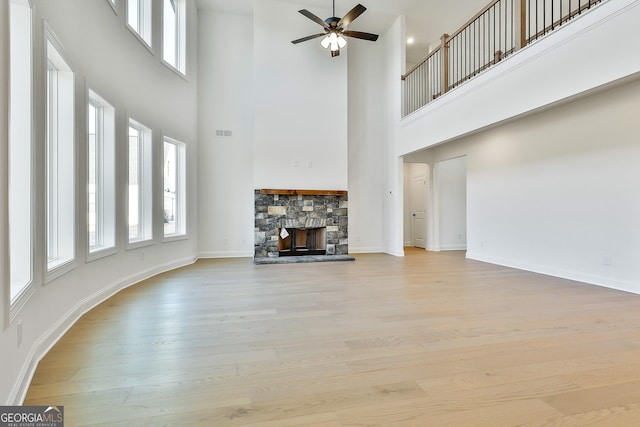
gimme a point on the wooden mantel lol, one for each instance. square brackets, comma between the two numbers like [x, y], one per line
[304, 192]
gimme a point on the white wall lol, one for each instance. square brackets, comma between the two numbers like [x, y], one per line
[367, 140]
[307, 79]
[225, 164]
[556, 192]
[451, 191]
[300, 103]
[393, 51]
[108, 59]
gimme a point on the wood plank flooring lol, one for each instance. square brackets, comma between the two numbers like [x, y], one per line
[431, 339]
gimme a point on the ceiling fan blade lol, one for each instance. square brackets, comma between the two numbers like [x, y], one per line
[304, 39]
[313, 17]
[351, 15]
[360, 35]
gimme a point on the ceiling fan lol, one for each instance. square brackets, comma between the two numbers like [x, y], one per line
[334, 29]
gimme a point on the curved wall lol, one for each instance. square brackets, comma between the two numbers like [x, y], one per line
[108, 59]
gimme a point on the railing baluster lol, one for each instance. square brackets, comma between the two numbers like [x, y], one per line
[529, 21]
[486, 39]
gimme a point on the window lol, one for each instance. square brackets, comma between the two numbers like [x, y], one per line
[174, 34]
[20, 149]
[140, 183]
[174, 172]
[100, 174]
[60, 163]
[139, 18]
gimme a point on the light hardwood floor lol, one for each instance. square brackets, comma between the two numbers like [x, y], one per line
[431, 339]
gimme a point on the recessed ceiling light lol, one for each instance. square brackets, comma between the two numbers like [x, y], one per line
[410, 40]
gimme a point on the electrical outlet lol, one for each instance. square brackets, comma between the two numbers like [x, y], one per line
[606, 260]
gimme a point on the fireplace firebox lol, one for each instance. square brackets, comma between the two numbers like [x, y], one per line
[302, 241]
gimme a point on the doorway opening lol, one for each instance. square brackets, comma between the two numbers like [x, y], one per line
[435, 205]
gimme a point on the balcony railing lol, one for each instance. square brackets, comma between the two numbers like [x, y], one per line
[497, 31]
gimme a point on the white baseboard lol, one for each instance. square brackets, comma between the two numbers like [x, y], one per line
[395, 252]
[365, 250]
[462, 247]
[577, 276]
[43, 344]
[225, 254]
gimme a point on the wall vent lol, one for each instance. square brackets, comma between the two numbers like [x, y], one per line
[223, 133]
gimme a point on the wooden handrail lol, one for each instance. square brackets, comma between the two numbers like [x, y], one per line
[476, 16]
[432, 53]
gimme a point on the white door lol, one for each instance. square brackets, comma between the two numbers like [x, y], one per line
[418, 211]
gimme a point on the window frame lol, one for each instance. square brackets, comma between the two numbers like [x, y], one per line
[145, 185]
[181, 190]
[180, 37]
[105, 177]
[144, 25]
[16, 301]
[60, 217]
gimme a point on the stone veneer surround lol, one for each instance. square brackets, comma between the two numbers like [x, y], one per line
[312, 210]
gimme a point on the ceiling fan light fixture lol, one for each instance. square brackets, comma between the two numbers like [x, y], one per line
[335, 32]
[325, 42]
[332, 40]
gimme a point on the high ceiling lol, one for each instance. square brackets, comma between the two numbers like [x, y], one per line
[426, 20]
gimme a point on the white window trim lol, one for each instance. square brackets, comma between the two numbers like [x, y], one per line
[147, 175]
[113, 5]
[13, 307]
[55, 270]
[181, 40]
[181, 195]
[103, 251]
[148, 44]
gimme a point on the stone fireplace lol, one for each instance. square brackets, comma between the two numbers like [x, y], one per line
[301, 224]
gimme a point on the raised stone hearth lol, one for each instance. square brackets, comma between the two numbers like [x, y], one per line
[317, 221]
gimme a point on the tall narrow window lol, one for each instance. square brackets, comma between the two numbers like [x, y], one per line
[20, 149]
[174, 34]
[174, 172]
[140, 183]
[100, 174]
[60, 160]
[139, 18]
